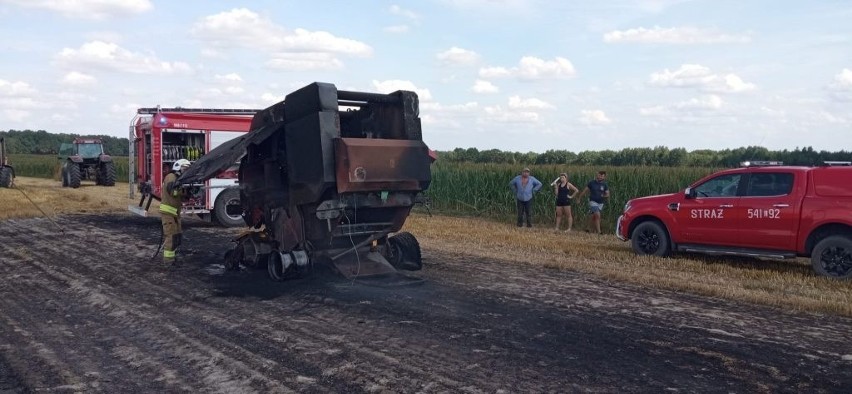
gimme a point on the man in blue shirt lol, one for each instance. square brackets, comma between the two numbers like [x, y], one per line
[598, 193]
[524, 186]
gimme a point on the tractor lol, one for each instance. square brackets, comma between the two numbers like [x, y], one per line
[85, 159]
[7, 172]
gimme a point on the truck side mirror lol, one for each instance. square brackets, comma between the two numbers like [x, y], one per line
[689, 193]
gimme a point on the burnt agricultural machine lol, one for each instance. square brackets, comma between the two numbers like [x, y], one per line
[85, 159]
[326, 177]
[7, 172]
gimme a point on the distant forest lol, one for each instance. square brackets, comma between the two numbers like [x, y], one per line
[42, 142]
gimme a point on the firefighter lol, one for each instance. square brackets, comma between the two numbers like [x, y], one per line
[172, 195]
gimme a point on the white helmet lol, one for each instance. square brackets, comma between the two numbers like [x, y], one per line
[180, 165]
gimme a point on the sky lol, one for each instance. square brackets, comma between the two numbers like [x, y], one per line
[516, 75]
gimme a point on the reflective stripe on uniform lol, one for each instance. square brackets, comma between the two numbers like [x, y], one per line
[168, 209]
[169, 254]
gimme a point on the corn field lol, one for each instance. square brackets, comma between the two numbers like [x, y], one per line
[483, 189]
[48, 166]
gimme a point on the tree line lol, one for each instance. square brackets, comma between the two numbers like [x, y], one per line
[41, 142]
[657, 156]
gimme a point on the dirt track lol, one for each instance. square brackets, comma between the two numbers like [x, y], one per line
[86, 311]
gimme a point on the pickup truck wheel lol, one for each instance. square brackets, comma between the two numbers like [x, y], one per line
[833, 257]
[650, 238]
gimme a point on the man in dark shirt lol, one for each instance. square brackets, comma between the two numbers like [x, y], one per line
[598, 193]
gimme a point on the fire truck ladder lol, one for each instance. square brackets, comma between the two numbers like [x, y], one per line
[212, 111]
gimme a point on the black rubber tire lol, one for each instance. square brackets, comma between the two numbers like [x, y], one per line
[74, 176]
[220, 208]
[106, 175]
[5, 177]
[405, 252]
[832, 257]
[651, 239]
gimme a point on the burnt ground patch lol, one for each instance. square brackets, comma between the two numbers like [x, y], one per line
[88, 311]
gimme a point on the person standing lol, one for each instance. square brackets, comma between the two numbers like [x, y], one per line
[565, 191]
[524, 186]
[598, 192]
[171, 199]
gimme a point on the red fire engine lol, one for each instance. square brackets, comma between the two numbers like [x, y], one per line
[160, 136]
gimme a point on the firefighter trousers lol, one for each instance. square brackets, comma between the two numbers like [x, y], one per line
[171, 236]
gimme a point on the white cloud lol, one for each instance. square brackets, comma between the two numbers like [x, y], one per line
[844, 79]
[516, 102]
[397, 10]
[15, 89]
[75, 78]
[390, 86]
[533, 68]
[228, 78]
[396, 29]
[113, 57]
[591, 117]
[484, 87]
[673, 35]
[88, 9]
[304, 61]
[243, 28]
[502, 115]
[700, 77]
[841, 88]
[458, 57]
[696, 106]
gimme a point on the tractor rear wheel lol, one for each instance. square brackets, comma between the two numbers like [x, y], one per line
[106, 175]
[228, 210]
[74, 176]
[405, 252]
[5, 177]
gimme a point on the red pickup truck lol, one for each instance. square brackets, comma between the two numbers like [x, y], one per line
[763, 209]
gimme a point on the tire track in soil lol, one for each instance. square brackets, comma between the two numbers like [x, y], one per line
[475, 325]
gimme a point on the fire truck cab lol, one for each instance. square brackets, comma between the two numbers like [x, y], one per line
[161, 136]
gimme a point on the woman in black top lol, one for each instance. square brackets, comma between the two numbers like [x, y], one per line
[565, 191]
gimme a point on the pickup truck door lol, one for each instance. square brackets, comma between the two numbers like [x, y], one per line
[710, 218]
[770, 209]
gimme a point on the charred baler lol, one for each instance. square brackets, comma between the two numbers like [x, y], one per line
[327, 177]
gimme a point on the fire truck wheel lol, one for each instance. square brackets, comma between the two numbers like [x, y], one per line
[74, 175]
[650, 238]
[832, 257]
[404, 252]
[106, 174]
[5, 177]
[227, 209]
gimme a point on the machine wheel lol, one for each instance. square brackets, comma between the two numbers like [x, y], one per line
[404, 252]
[650, 238]
[106, 174]
[832, 257]
[233, 258]
[5, 177]
[74, 175]
[228, 210]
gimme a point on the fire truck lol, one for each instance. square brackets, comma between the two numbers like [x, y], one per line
[161, 136]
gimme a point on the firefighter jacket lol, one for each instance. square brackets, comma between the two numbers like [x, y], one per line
[170, 196]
